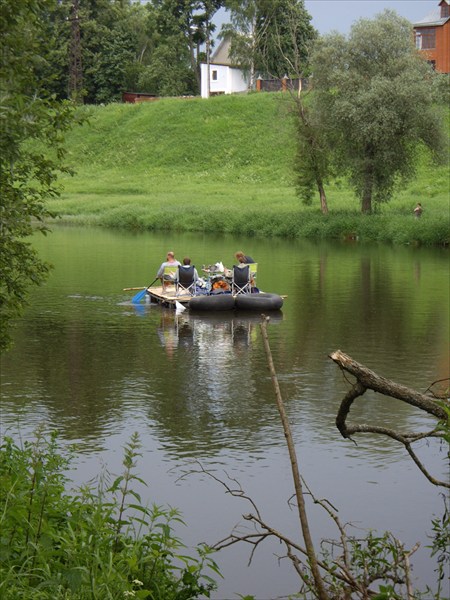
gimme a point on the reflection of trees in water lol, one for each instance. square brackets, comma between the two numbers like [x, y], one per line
[70, 367]
[366, 304]
[89, 367]
[377, 310]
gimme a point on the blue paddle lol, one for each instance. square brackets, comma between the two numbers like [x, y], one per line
[138, 297]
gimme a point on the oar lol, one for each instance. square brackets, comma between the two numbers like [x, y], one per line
[138, 297]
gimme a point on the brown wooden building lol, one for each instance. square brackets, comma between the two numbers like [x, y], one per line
[432, 36]
[134, 97]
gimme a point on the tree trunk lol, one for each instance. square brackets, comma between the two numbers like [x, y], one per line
[366, 204]
[208, 65]
[323, 199]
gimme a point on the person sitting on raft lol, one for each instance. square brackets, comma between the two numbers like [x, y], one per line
[243, 259]
[169, 262]
[186, 264]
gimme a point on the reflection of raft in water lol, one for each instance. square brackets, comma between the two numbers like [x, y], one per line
[261, 301]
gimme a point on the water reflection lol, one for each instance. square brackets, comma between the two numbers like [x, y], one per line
[215, 335]
[95, 367]
[201, 410]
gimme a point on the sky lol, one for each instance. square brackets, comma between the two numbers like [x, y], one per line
[339, 15]
[328, 15]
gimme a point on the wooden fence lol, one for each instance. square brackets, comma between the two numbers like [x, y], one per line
[280, 85]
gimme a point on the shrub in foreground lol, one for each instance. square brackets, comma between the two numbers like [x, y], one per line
[95, 543]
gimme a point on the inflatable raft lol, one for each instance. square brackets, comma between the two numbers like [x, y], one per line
[261, 302]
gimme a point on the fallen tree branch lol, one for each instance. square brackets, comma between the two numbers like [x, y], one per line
[367, 379]
[370, 380]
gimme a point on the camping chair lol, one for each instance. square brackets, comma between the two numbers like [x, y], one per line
[240, 283]
[185, 282]
[168, 277]
[253, 270]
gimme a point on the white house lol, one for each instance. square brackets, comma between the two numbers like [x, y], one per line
[224, 77]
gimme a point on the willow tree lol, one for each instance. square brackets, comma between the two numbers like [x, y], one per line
[372, 91]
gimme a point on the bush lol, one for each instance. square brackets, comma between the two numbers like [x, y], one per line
[97, 543]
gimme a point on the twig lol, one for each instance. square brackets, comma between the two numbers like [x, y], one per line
[321, 593]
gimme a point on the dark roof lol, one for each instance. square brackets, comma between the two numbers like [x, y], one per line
[433, 19]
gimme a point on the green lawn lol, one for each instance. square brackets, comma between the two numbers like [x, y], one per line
[226, 163]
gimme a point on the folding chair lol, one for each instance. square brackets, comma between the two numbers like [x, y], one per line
[253, 271]
[169, 276]
[240, 283]
[185, 281]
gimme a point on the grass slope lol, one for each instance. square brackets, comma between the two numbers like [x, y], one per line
[223, 164]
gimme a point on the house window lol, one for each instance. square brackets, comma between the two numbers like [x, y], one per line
[426, 38]
[445, 11]
[214, 76]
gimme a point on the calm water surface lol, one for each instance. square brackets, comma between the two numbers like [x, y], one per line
[96, 368]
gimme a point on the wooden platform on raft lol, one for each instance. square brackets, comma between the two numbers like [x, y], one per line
[168, 296]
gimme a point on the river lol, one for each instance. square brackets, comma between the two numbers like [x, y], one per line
[90, 364]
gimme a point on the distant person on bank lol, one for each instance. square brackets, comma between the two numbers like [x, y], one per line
[418, 211]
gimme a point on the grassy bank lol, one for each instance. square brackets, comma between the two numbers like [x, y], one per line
[224, 165]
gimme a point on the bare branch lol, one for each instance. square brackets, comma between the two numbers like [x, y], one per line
[371, 380]
[366, 379]
[319, 584]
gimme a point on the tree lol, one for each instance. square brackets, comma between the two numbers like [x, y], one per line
[243, 33]
[372, 92]
[269, 36]
[32, 122]
[205, 27]
[312, 163]
[110, 45]
[172, 69]
[286, 37]
[151, 47]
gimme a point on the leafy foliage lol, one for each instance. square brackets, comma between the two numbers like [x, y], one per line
[286, 38]
[312, 161]
[373, 94]
[440, 546]
[31, 117]
[269, 36]
[91, 543]
[151, 47]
